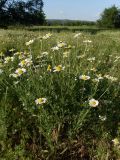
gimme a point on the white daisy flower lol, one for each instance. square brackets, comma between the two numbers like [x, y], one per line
[58, 68]
[84, 77]
[93, 102]
[77, 35]
[20, 71]
[29, 43]
[40, 101]
[56, 48]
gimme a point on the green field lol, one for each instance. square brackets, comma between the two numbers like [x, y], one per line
[93, 29]
[59, 94]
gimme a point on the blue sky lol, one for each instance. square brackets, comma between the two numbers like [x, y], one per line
[77, 9]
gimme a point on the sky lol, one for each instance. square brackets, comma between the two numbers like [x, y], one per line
[77, 9]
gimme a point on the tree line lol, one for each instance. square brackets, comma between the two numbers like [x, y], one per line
[66, 22]
[21, 12]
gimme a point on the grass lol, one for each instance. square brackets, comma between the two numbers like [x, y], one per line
[46, 88]
[84, 28]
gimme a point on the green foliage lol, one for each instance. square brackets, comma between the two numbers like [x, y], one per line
[21, 12]
[110, 18]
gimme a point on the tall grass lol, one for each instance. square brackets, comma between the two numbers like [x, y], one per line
[59, 95]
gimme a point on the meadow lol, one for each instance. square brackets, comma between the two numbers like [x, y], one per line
[59, 95]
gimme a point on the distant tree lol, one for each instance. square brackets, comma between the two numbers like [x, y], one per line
[110, 18]
[3, 14]
[21, 12]
[2, 4]
[34, 11]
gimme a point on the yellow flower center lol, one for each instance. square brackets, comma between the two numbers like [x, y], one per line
[40, 100]
[84, 77]
[20, 71]
[93, 103]
[23, 62]
[58, 68]
[49, 68]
